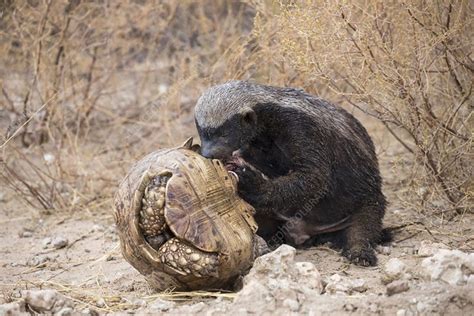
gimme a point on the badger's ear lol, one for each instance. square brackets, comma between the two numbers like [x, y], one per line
[249, 117]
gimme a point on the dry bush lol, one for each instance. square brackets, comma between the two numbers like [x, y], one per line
[407, 63]
[88, 87]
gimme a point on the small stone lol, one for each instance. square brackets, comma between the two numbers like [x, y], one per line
[384, 250]
[182, 261]
[349, 307]
[450, 266]
[97, 228]
[395, 268]
[358, 285]
[293, 305]
[110, 258]
[49, 158]
[162, 305]
[373, 308]
[173, 247]
[59, 242]
[46, 301]
[100, 302]
[37, 261]
[188, 251]
[396, 287]
[428, 248]
[139, 302]
[26, 234]
[67, 311]
[89, 312]
[401, 312]
[14, 308]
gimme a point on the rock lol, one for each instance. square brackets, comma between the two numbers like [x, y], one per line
[162, 305]
[67, 311]
[100, 302]
[49, 158]
[358, 285]
[275, 281]
[349, 307]
[45, 301]
[26, 234]
[384, 250]
[339, 285]
[293, 305]
[139, 302]
[335, 284]
[89, 312]
[395, 268]
[59, 242]
[451, 266]
[401, 312]
[13, 308]
[396, 287]
[428, 248]
[97, 228]
[46, 242]
[37, 261]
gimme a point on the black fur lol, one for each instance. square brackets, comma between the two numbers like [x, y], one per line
[322, 168]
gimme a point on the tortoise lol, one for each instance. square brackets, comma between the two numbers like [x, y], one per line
[181, 222]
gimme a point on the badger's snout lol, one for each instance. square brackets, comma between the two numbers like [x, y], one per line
[216, 150]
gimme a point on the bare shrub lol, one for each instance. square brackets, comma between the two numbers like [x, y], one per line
[408, 64]
[87, 87]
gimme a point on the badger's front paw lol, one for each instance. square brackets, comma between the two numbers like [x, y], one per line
[251, 185]
[362, 256]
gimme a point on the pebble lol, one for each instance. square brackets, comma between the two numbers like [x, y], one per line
[59, 242]
[450, 266]
[37, 260]
[89, 312]
[68, 311]
[100, 302]
[97, 228]
[396, 287]
[384, 250]
[14, 308]
[293, 305]
[46, 301]
[401, 312]
[349, 307]
[428, 248]
[26, 234]
[46, 242]
[395, 268]
[358, 285]
[162, 305]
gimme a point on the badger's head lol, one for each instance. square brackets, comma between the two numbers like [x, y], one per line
[226, 119]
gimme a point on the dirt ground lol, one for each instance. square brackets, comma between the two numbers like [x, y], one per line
[89, 268]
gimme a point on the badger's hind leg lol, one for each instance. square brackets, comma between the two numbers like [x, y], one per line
[363, 234]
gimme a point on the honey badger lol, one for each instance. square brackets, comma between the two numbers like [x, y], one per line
[319, 161]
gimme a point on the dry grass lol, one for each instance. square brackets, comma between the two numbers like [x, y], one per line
[88, 87]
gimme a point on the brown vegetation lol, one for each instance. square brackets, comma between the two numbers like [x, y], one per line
[88, 87]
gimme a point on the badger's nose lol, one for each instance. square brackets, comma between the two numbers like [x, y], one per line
[214, 151]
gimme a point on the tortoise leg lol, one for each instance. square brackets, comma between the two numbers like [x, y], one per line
[152, 220]
[187, 260]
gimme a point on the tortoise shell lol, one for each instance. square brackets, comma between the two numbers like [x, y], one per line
[202, 210]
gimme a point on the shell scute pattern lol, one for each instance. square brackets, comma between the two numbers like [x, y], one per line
[181, 222]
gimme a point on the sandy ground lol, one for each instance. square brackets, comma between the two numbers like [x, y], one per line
[91, 271]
